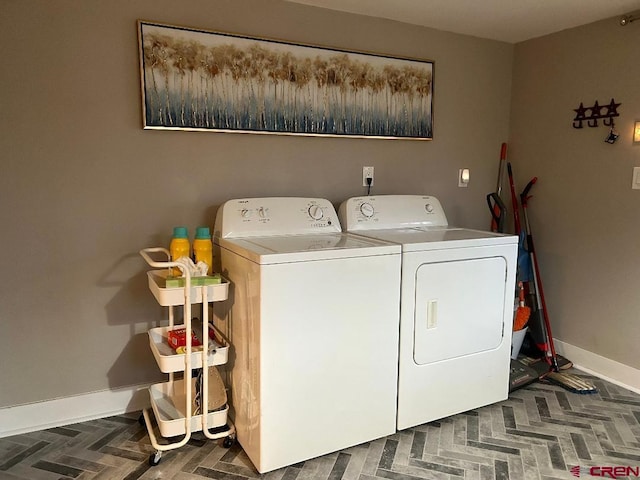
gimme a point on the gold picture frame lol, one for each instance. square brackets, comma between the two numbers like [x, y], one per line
[202, 80]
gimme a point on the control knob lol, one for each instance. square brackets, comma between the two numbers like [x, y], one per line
[315, 212]
[367, 210]
[429, 208]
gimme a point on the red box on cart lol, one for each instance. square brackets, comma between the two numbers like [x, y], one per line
[178, 338]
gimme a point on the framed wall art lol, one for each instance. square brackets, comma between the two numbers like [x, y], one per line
[199, 80]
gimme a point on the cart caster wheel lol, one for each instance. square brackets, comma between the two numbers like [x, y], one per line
[154, 458]
[228, 442]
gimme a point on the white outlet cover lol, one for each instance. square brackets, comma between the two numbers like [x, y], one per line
[367, 172]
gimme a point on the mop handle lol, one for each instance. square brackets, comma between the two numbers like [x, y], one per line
[537, 280]
[524, 196]
[514, 200]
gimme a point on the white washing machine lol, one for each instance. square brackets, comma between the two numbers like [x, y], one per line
[457, 297]
[312, 319]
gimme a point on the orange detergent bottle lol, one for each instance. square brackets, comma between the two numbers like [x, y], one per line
[203, 247]
[179, 247]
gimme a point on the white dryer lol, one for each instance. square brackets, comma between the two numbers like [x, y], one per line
[456, 314]
[312, 319]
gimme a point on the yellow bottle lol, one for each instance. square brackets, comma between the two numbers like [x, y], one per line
[203, 247]
[179, 247]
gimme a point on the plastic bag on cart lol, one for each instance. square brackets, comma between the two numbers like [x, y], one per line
[217, 393]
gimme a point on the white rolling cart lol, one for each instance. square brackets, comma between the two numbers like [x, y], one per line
[172, 402]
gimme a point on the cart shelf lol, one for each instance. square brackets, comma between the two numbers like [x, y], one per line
[170, 361]
[169, 404]
[176, 295]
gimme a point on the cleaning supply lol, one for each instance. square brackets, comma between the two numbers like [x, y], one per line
[203, 247]
[522, 313]
[573, 383]
[197, 281]
[179, 247]
[496, 205]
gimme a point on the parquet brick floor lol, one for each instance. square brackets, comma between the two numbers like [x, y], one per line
[540, 432]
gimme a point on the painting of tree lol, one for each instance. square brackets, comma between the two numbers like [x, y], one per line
[199, 80]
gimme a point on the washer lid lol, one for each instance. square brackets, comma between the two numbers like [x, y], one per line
[302, 248]
[437, 238]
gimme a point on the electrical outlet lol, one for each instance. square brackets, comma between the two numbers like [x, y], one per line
[367, 172]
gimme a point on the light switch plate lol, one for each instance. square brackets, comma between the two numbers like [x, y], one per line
[463, 177]
[635, 183]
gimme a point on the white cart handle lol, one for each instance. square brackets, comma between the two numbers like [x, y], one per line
[166, 264]
[153, 263]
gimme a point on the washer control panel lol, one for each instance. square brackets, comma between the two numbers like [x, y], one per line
[249, 217]
[391, 211]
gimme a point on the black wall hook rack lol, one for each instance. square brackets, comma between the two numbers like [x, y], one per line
[596, 112]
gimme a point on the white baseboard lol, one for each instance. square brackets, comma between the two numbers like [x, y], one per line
[67, 410]
[81, 408]
[601, 367]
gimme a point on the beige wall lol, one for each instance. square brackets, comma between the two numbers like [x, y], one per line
[83, 187]
[584, 213]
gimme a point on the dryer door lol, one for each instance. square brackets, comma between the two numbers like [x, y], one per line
[459, 308]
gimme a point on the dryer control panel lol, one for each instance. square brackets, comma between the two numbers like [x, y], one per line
[391, 211]
[261, 217]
